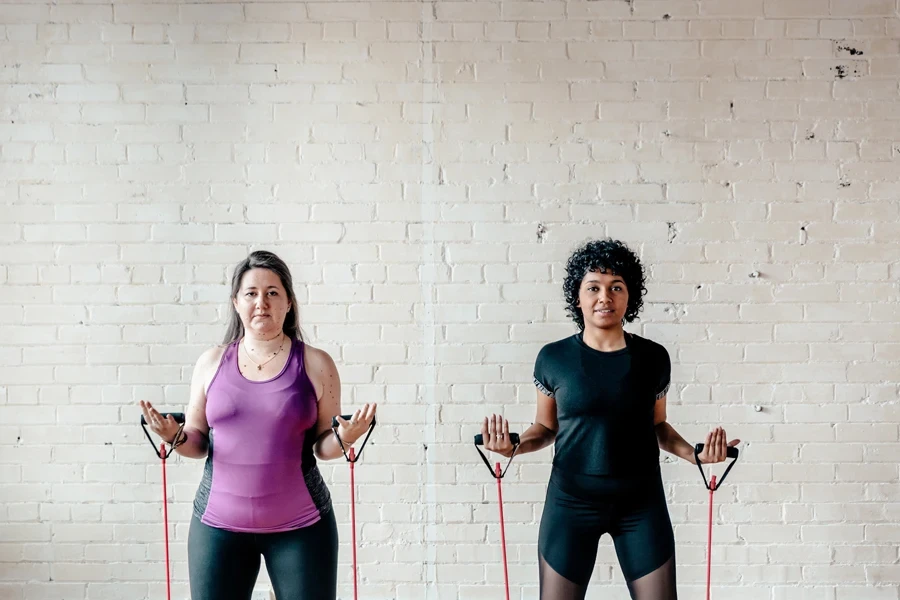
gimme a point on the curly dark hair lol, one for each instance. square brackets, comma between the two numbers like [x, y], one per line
[605, 256]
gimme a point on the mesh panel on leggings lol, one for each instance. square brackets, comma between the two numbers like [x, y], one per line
[657, 585]
[556, 587]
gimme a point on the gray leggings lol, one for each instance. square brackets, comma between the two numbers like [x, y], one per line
[302, 564]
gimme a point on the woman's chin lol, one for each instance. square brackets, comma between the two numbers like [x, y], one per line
[263, 328]
[606, 324]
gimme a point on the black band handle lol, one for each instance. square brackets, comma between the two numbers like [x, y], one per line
[732, 453]
[334, 421]
[513, 439]
[334, 428]
[179, 418]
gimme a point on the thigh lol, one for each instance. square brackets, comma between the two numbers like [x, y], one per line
[642, 532]
[223, 565]
[570, 533]
[302, 563]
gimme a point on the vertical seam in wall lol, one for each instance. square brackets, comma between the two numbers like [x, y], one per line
[427, 278]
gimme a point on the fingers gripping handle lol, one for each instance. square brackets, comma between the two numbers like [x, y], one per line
[179, 418]
[731, 453]
[334, 421]
[334, 427]
[513, 439]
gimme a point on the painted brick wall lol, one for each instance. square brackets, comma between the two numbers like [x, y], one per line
[426, 168]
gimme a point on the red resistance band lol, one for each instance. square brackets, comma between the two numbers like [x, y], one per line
[712, 486]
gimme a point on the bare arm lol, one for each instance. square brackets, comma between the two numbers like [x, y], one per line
[714, 449]
[196, 428]
[539, 435]
[193, 442]
[669, 439]
[324, 375]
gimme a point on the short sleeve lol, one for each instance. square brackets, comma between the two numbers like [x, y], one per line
[543, 379]
[664, 370]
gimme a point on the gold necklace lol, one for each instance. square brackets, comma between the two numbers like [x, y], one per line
[258, 365]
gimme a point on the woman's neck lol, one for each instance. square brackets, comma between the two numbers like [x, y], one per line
[263, 343]
[604, 340]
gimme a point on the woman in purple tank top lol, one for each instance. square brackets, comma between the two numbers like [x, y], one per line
[260, 412]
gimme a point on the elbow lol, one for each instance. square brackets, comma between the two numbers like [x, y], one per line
[320, 454]
[662, 434]
[549, 432]
[317, 452]
[196, 444]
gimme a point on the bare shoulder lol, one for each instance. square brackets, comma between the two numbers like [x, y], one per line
[212, 356]
[317, 361]
[321, 370]
[208, 362]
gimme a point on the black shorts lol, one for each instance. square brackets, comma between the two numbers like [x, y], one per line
[579, 509]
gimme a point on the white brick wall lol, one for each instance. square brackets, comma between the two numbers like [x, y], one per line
[425, 169]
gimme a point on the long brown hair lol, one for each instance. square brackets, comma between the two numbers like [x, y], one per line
[262, 259]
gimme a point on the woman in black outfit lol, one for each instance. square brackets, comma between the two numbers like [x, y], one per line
[601, 398]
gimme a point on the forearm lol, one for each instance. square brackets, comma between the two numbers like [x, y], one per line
[327, 446]
[193, 443]
[672, 442]
[536, 437]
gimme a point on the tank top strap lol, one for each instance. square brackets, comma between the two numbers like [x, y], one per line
[231, 351]
[298, 354]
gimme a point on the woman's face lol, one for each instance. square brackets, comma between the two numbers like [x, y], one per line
[603, 300]
[262, 303]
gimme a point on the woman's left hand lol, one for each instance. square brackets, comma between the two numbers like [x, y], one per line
[715, 449]
[359, 423]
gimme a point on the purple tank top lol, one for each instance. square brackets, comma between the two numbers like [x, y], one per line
[261, 474]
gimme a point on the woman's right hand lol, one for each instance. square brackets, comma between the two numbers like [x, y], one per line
[166, 428]
[495, 432]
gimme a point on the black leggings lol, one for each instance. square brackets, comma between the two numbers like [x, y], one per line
[579, 509]
[302, 564]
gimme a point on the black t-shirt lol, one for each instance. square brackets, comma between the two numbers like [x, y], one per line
[604, 403]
